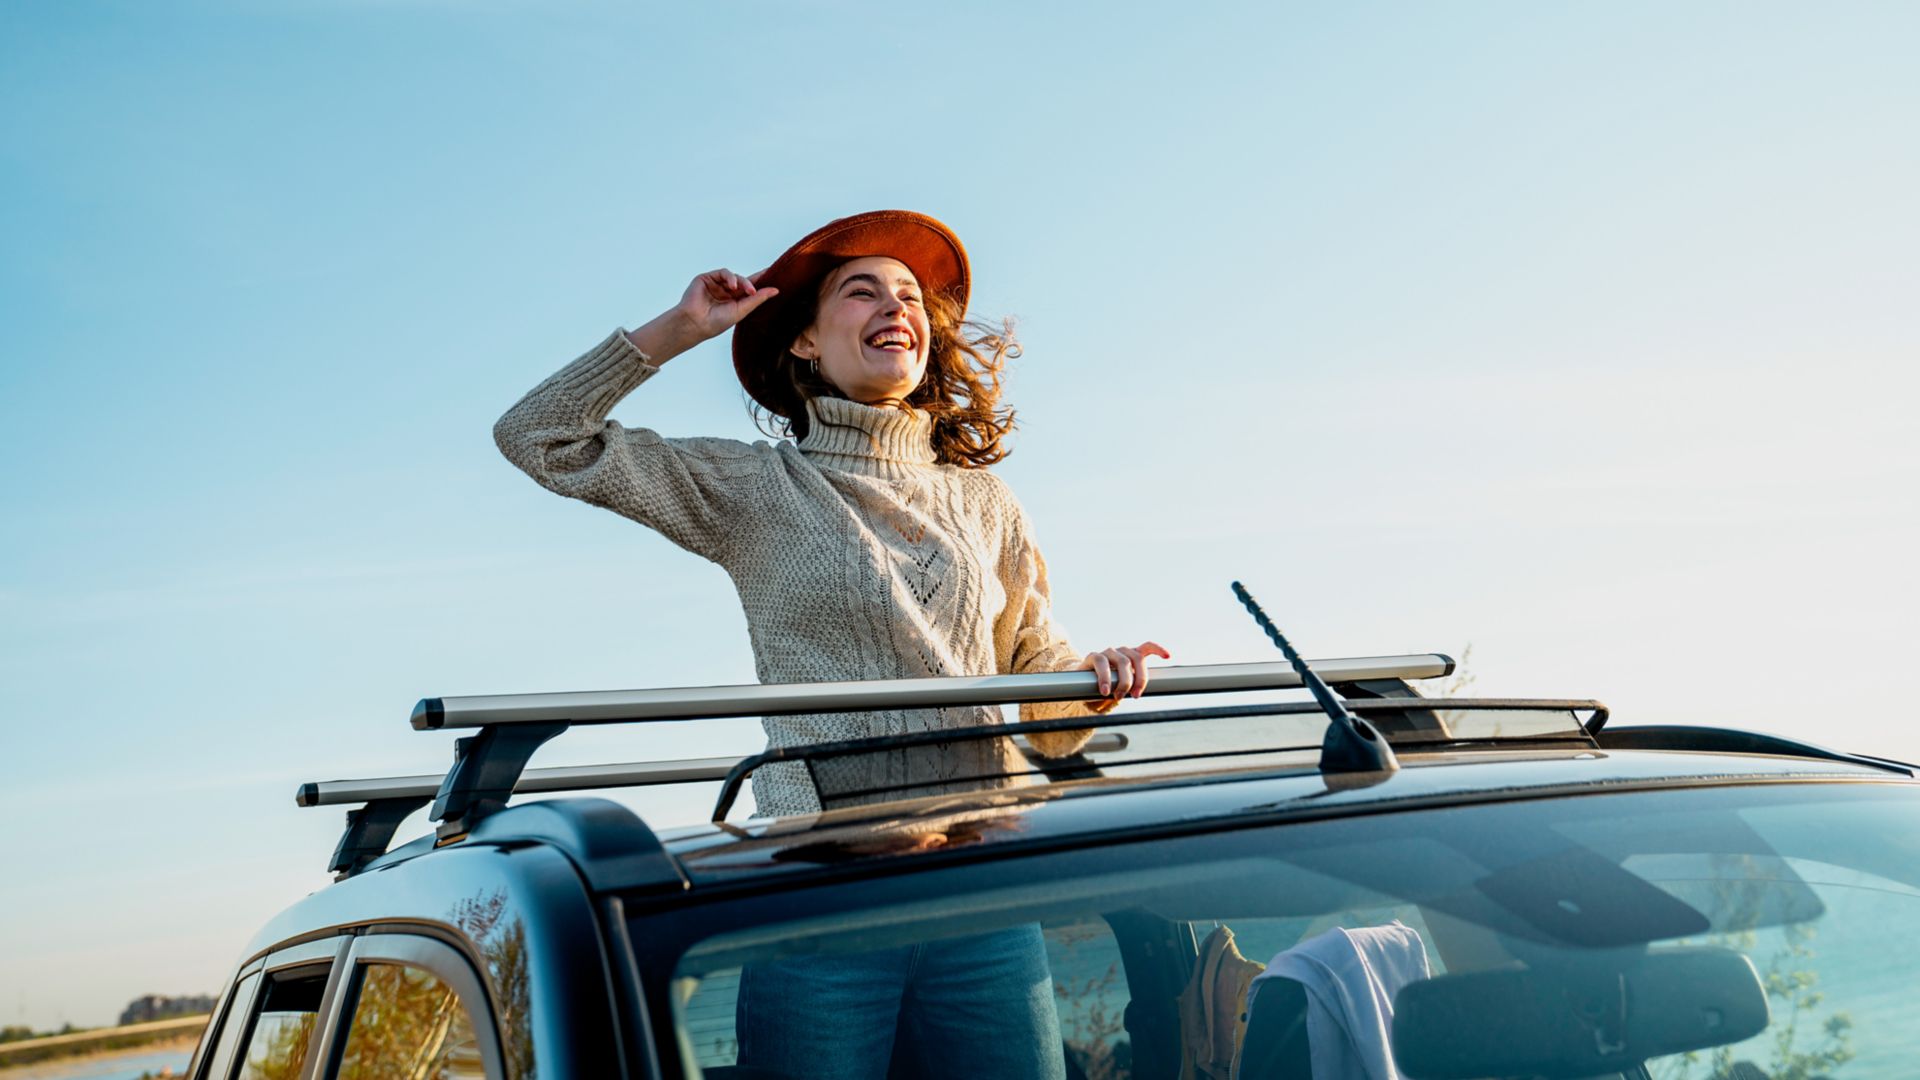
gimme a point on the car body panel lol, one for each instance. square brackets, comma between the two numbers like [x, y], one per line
[519, 912]
[575, 913]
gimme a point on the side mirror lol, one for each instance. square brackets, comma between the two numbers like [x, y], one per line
[1578, 1021]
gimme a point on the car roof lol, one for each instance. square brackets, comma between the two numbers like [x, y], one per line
[613, 852]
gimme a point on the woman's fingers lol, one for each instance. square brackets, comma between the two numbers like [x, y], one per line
[1120, 673]
[714, 303]
[1137, 665]
[714, 289]
[1102, 673]
[723, 285]
[719, 299]
[1123, 669]
[1107, 678]
[1146, 649]
[754, 301]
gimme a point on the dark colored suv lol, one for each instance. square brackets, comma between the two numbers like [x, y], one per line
[1501, 888]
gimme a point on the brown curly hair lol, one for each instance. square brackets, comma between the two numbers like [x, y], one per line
[961, 388]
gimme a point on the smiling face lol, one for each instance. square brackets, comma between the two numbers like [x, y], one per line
[870, 335]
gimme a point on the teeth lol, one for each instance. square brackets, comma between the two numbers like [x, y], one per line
[890, 337]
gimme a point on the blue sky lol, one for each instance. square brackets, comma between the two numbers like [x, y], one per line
[1580, 333]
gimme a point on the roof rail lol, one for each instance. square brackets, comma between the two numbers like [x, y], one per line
[1720, 740]
[1415, 722]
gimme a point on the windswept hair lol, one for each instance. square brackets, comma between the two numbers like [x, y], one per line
[961, 388]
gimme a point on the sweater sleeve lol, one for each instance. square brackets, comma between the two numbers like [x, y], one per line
[1033, 642]
[689, 490]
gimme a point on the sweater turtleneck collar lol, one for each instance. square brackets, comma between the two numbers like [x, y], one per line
[882, 438]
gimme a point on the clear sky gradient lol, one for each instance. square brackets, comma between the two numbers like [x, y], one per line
[1584, 334]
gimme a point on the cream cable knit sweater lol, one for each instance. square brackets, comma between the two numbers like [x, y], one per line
[855, 557]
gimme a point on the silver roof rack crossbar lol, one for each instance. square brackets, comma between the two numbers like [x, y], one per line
[712, 702]
[513, 726]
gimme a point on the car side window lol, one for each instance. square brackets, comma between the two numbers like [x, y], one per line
[283, 1027]
[409, 1025]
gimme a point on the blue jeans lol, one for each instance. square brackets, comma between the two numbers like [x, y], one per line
[979, 1006]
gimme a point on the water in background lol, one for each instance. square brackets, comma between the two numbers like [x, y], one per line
[128, 1066]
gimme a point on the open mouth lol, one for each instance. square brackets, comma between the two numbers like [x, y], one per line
[892, 339]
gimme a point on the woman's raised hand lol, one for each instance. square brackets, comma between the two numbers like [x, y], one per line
[714, 303]
[717, 300]
[1120, 673]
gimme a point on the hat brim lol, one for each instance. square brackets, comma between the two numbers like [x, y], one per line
[925, 245]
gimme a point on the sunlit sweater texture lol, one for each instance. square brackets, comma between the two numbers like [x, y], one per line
[855, 557]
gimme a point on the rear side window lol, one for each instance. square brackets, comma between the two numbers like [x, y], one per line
[409, 1025]
[283, 1029]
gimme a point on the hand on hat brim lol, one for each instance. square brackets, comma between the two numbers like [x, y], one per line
[712, 304]
[716, 301]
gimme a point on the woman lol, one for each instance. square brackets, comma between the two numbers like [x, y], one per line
[875, 544]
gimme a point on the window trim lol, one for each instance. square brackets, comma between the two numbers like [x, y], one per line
[328, 954]
[238, 1010]
[223, 1012]
[436, 958]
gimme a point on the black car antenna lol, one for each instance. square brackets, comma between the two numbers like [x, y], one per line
[1352, 745]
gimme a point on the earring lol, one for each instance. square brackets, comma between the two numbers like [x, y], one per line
[813, 365]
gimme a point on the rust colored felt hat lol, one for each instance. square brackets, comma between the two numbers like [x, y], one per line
[927, 247]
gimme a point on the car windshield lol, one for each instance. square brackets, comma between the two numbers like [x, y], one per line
[1754, 931]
